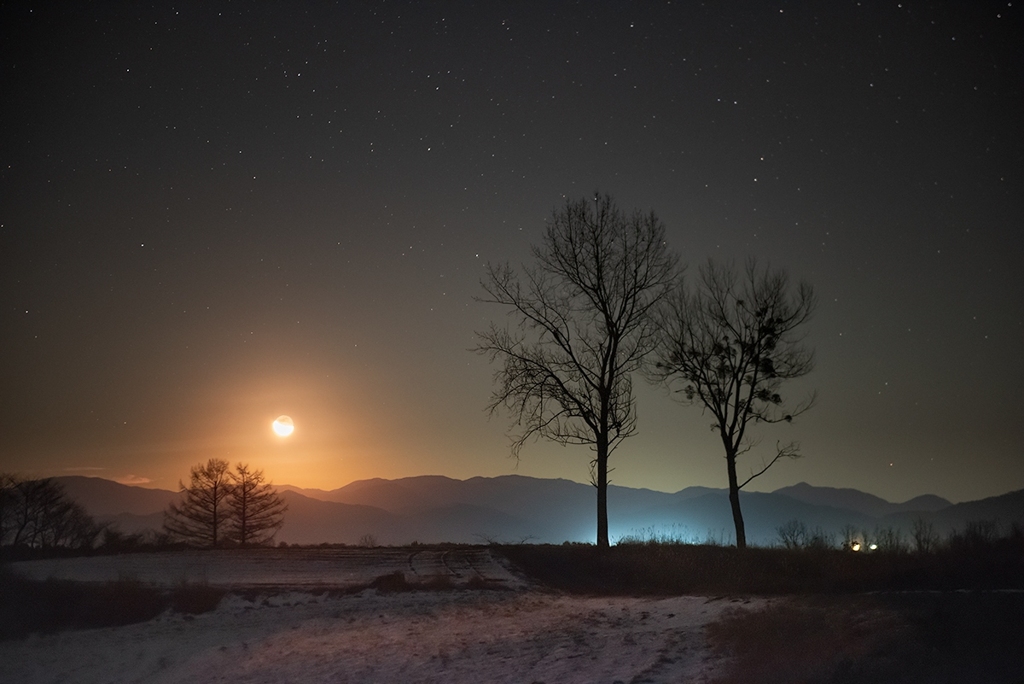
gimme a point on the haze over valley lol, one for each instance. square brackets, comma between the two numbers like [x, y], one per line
[509, 509]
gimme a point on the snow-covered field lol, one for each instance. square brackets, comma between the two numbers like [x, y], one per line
[308, 634]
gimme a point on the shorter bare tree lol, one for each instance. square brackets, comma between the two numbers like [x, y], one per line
[256, 509]
[202, 516]
[728, 344]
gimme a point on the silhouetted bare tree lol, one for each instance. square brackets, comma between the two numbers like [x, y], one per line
[38, 514]
[582, 326]
[67, 525]
[257, 511]
[203, 514]
[730, 341]
[34, 502]
[8, 500]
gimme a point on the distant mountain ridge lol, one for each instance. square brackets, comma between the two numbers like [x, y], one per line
[513, 508]
[103, 497]
[856, 500]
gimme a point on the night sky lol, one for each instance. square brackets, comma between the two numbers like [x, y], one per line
[214, 213]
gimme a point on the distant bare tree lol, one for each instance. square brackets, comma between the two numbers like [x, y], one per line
[923, 533]
[728, 344]
[202, 516]
[582, 326]
[890, 540]
[853, 538]
[256, 509]
[793, 534]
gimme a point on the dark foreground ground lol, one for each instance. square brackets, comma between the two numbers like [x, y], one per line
[953, 616]
[829, 617]
[906, 638]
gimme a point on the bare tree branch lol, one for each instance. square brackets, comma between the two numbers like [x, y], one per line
[791, 450]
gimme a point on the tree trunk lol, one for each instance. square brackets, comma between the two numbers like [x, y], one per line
[734, 500]
[215, 522]
[602, 492]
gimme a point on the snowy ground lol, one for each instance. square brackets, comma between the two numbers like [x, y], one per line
[520, 635]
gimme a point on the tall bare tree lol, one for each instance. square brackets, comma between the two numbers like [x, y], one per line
[202, 515]
[582, 326]
[728, 344]
[257, 510]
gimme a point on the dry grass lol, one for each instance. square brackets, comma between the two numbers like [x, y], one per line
[840, 617]
[800, 640]
[672, 569]
[912, 638]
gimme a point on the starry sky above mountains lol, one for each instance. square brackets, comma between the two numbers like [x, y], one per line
[214, 213]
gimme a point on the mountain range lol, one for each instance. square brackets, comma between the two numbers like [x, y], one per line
[514, 508]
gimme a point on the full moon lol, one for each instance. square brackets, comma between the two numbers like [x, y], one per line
[283, 425]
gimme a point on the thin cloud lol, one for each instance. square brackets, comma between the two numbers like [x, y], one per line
[132, 480]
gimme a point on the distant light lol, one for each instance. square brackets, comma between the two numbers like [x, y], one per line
[873, 547]
[855, 546]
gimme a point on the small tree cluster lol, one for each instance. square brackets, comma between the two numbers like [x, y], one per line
[796, 535]
[925, 538]
[38, 514]
[977, 536]
[223, 507]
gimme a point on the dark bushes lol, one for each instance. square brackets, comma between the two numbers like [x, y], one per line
[689, 569]
[904, 638]
[28, 606]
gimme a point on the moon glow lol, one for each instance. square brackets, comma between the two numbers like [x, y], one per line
[283, 425]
